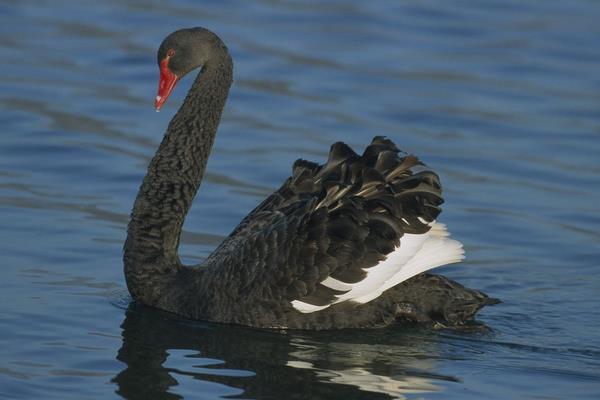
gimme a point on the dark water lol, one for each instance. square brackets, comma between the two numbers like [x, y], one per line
[502, 98]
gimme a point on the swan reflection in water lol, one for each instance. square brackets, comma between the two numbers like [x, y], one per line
[161, 351]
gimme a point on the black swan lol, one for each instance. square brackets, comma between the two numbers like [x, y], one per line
[339, 245]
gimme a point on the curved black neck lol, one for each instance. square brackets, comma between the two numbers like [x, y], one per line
[172, 180]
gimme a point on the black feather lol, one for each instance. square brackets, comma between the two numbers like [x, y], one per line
[338, 219]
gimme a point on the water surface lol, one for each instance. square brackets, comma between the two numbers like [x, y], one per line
[502, 98]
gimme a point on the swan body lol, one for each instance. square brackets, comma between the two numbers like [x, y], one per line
[339, 245]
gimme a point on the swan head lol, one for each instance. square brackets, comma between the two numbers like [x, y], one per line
[180, 53]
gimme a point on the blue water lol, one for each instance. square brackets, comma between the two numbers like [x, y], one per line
[502, 98]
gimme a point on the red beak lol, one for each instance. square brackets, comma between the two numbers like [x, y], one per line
[165, 85]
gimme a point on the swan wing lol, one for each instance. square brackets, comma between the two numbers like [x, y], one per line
[346, 230]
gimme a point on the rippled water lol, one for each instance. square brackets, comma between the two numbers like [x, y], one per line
[502, 98]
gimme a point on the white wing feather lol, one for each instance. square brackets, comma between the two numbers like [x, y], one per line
[416, 254]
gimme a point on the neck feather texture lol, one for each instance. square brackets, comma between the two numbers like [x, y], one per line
[172, 180]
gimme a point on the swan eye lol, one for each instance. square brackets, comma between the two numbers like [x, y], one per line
[170, 53]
